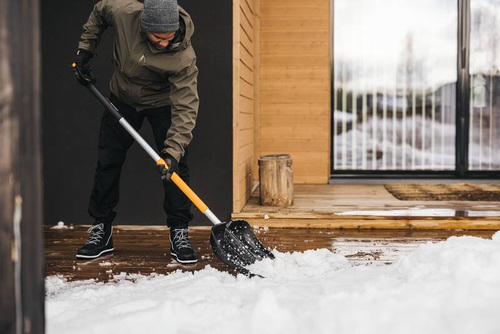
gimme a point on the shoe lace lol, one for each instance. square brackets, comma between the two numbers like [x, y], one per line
[181, 238]
[96, 233]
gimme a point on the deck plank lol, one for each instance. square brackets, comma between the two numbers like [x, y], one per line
[145, 249]
[368, 206]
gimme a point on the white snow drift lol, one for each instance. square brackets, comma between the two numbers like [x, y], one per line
[447, 287]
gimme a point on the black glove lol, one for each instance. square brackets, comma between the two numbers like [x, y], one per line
[173, 167]
[82, 57]
[80, 65]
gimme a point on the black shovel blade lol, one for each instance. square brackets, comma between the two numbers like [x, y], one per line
[236, 245]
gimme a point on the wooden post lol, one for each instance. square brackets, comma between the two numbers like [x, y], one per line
[276, 180]
[21, 250]
[7, 158]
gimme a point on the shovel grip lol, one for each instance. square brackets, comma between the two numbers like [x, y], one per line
[185, 189]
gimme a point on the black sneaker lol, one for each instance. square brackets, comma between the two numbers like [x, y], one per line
[180, 248]
[100, 242]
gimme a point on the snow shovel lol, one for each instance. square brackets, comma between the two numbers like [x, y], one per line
[233, 242]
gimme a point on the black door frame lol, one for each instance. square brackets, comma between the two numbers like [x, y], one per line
[462, 120]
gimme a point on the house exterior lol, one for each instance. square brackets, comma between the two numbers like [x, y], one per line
[366, 88]
[329, 82]
[348, 88]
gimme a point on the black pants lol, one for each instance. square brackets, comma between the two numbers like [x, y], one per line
[114, 142]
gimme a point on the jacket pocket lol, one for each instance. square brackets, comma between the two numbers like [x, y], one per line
[133, 65]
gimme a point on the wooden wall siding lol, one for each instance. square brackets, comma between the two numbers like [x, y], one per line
[245, 77]
[294, 85]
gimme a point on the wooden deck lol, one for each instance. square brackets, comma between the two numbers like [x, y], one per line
[367, 207]
[145, 249]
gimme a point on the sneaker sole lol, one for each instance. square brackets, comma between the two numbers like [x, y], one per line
[79, 256]
[183, 261]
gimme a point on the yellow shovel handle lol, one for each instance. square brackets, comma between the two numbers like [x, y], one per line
[185, 188]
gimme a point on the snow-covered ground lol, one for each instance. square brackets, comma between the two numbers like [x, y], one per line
[447, 287]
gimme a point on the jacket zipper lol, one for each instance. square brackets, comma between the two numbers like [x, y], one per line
[138, 63]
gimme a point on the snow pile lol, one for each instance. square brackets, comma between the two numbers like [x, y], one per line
[61, 226]
[447, 287]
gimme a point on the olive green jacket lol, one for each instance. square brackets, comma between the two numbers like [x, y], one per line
[145, 77]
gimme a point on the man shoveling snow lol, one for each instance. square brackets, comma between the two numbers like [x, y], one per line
[155, 77]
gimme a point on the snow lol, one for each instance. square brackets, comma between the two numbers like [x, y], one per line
[61, 226]
[446, 287]
[105, 264]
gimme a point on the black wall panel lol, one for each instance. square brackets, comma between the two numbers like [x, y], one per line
[71, 118]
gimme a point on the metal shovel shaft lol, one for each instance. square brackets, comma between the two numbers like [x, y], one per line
[233, 242]
[152, 153]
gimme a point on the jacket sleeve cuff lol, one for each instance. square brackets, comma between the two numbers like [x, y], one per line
[86, 47]
[173, 153]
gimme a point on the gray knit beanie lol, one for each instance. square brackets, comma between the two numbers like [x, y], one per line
[160, 15]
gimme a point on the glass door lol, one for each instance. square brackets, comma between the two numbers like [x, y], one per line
[484, 70]
[396, 101]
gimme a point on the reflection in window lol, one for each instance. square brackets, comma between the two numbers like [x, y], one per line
[484, 118]
[395, 70]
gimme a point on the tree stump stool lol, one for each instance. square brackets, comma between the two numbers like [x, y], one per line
[276, 180]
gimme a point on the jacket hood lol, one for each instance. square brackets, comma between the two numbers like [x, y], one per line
[189, 29]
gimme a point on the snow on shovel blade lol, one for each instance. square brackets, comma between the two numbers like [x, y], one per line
[235, 244]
